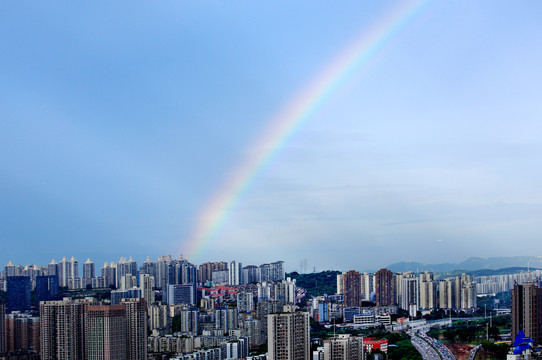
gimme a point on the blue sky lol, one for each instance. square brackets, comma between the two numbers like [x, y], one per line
[120, 121]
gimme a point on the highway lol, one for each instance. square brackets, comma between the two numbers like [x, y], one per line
[427, 352]
[473, 351]
[429, 348]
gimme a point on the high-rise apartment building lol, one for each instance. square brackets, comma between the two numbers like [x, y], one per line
[352, 288]
[146, 283]
[527, 311]
[428, 291]
[235, 273]
[149, 267]
[288, 336]
[52, 268]
[385, 288]
[250, 274]
[457, 293]
[410, 296]
[89, 272]
[74, 329]
[163, 272]
[159, 318]
[226, 319]
[10, 269]
[190, 320]
[109, 321]
[367, 285]
[264, 272]
[109, 274]
[62, 329]
[340, 284]
[136, 322]
[344, 347]
[206, 270]
[245, 302]
[74, 268]
[22, 332]
[277, 271]
[252, 328]
[127, 281]
[125, 267]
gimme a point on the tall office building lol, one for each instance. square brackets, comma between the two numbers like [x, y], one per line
[18, 291]
[352, 288]
[46, 288]
[344, 347]
[288, 336]
[2, 328]
[385, 288]
[181, 294]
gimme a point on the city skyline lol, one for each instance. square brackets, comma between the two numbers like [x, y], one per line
[133, 130]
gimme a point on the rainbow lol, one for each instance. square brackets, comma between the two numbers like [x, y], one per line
[293, 116]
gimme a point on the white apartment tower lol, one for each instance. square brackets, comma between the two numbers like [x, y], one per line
[235, 273]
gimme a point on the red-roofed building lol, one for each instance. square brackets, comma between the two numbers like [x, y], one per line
[372, 344]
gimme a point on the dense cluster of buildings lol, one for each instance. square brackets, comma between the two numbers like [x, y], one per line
[494, 284]
[221, 310]
[407, 290]
[217, 309]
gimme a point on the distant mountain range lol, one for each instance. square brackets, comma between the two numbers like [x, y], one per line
[470, 265]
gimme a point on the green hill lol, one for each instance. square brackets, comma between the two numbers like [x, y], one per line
[316, 284]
